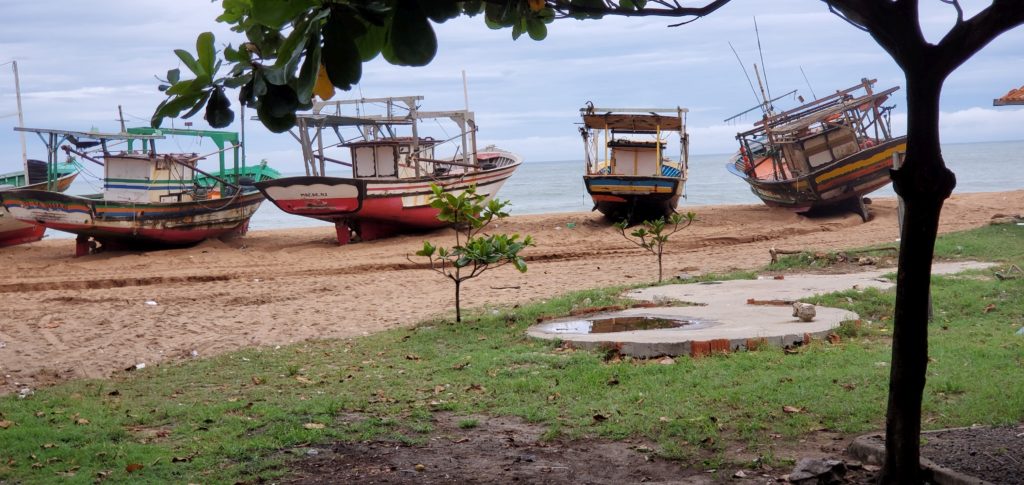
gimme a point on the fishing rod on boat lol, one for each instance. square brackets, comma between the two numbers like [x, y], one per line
[759, 106]
[749, 82]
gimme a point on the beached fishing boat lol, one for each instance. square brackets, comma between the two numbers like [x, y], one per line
[148, 199]
[392, 167]
[628, 175]
[828, 152]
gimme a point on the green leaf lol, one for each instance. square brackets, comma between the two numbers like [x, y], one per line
[340, 56]
[206, 52]
[310, 67]
[276, 13]
[292, 46]
[536, 28]
[411, 38]
[218, 109]
[190, 62]
[371, 41]
[279, 101]
[173, 76]
[198, 106]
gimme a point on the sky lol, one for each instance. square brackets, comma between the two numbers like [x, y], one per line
[78, 61]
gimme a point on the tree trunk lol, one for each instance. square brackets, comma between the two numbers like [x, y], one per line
[925, 183]
[458, 303]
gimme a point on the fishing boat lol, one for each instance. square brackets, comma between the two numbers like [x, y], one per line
[829, 152]
[148, 198]
[392, 166]
[628, 175]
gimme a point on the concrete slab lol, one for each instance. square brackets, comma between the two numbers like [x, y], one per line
[727, 322]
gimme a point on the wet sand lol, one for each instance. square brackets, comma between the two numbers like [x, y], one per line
[63, 317]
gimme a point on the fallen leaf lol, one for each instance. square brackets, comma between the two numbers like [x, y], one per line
[47, 446]
[664, 419]
[82, 421]
[666, 361]
[439, 389]
[613, 381]
[832, 338]
[4, 424]
[599, 418]
[989, 307]
[256, 380]
[314, 426]
[477, 388]
[412, 357]
[792, 409]
[554, 396]
[460, 366]
[461, 440]
[133, 467]
[304, 380]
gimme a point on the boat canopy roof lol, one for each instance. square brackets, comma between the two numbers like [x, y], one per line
[327, 120]
[634, 119]
[94, 135]
[798, 120]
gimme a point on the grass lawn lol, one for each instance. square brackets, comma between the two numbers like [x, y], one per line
[225, 419]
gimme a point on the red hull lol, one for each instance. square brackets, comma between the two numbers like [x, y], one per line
[27, 234]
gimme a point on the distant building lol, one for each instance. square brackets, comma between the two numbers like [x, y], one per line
[1014, 97]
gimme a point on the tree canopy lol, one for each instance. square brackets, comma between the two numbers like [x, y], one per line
[296, 49]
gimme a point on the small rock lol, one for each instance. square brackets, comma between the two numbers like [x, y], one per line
[804, 311]
[815, 471]
[25, 392]
[420, 467]
[151, 303]
[1021, 331]
[740, 474]
[312, 452]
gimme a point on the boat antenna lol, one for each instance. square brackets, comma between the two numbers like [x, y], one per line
[745, 73]
[808, 82]
[120, 117]
[764, 69]
[465, 90]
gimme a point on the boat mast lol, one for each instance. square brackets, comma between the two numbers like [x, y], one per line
[21, 118]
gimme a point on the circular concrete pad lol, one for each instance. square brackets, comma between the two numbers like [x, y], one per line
[732, 323]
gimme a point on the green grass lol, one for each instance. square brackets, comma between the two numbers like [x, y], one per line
[227, 418]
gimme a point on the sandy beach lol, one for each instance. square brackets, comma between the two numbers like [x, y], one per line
[63, 317]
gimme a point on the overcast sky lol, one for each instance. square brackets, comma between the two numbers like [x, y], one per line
[79, 60]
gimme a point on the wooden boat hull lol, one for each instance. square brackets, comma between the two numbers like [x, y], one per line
[375, 208]
[13, 231]
[128, 224]
[634, 198]
[845, 180]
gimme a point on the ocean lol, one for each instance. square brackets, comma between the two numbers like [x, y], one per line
[540, 187]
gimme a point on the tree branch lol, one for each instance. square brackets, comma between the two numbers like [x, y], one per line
[566, 8]
[969, 36]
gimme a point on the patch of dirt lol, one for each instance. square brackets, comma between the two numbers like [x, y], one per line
[507, 450]
[993, 454]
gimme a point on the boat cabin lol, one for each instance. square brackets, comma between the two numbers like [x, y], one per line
[802, 140]
[390, 158]
[148, 177]
[632, 142]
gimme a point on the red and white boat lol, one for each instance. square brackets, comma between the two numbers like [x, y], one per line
[388, 191]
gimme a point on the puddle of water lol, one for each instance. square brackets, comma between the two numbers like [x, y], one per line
[623, 324]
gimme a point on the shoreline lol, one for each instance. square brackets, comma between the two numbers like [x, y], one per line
[67, 318]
